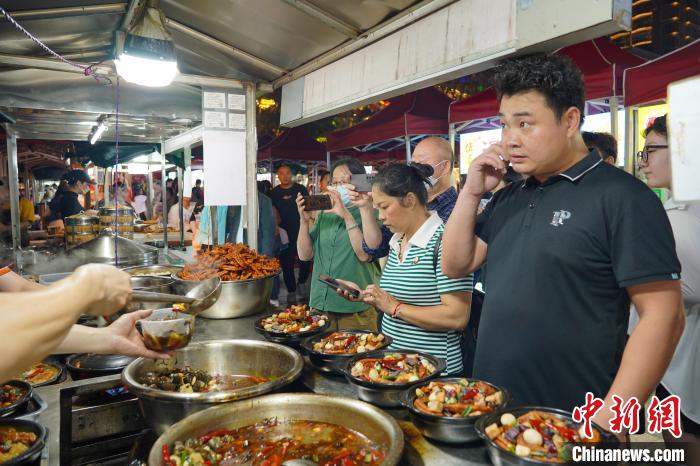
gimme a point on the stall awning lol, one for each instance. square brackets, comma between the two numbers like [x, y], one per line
[648, 82]
[422, 112]
[601, 63]
[293, 144]
[105, 154]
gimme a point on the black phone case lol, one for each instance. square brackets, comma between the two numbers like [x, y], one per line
[335, 285]
[317, 202]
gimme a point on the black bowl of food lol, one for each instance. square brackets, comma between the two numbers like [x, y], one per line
[22, 442]
[292, 325]
[41, 373]
[447, 408]
[329, 351]
[529, 436]
[380, 377]
[88, 365]
[14, 395]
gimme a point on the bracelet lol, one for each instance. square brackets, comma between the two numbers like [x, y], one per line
[352, 227]
[395, 313]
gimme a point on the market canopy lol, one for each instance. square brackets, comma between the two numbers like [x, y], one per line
[105, 154]
[293, 144]
[648, 82]
[601, 63]
[423, 112]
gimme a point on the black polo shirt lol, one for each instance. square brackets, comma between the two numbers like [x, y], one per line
[69, 204]
[560, 255]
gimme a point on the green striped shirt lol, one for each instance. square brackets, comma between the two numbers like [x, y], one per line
[415, 282]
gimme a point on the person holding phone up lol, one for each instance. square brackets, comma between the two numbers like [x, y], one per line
[423, 310]
[327, 242]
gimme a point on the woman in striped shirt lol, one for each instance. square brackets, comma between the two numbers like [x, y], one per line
[422, 309]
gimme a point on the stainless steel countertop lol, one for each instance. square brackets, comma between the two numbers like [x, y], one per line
[419, 451]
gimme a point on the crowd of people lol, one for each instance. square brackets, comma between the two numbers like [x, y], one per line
[571, 241]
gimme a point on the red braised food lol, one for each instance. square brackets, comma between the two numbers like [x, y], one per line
[462, 398]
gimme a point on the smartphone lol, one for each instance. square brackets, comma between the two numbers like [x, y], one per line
[317, 202]
[362, 183]
[333, 283]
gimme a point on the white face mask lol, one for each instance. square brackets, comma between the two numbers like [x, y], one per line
[432, 179]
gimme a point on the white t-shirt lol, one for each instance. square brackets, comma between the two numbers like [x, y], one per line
[683, 375]
[140, 204]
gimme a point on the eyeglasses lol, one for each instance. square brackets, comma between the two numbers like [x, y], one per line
[643, 155]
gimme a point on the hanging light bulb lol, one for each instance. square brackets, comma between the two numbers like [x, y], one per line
[146, 53]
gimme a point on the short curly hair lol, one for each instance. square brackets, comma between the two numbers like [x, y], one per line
[555, 76]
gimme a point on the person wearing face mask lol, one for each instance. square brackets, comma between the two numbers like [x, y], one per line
[78, 184]
[442, 196]
[683, 374]
[327, 242]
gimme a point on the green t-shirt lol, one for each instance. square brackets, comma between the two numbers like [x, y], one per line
[334, 256]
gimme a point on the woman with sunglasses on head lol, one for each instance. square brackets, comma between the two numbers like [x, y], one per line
[423, 310]
[683, 375]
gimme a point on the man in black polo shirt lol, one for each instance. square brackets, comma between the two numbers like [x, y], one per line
[78, 185]
[567, 250]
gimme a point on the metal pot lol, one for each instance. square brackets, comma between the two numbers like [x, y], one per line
[31, 456]
[387, 395]
[155, 284]
[501, 457]
[161, 408]
[87, 365]
[238, 298]
[441, 428]
[355, 415]
[333, 363]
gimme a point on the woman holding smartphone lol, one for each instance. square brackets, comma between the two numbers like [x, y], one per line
[422, 309]
[327, 242]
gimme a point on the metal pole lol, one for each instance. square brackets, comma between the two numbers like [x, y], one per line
[452, 135]
[408, 148]
[328, 161]
[149, 189]
[272, 172]
[251, 164]
[164, 197]
[181, 188]
[630, 124]
[614, 127]
[13, 179]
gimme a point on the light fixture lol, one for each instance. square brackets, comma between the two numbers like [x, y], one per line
[99, 129]
[146, 53]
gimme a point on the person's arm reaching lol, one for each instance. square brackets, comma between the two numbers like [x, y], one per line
[651, 345]
[305, 246]
[11, 282]
[463, 250]
[34, 323]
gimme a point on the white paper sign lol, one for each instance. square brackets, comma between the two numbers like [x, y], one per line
[225, 167]
[214, 119]
[236, 101]
[236, 121]
[214, 100]
[684, 138]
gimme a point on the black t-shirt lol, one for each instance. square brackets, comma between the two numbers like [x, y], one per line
[285, 201]
[69, 205]
[560, 255]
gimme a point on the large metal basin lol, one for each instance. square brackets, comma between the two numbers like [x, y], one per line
[356, 415]
[238, 298]
[162, 409]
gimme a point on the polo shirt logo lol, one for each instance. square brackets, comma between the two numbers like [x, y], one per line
[559, 217]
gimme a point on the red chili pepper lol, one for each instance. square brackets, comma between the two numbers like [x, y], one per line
[343, 454]
[471, 393]
[285, 447]
[351, 339]
[347, 462]
[567, 433]
[273, 460]
[389, 365]
[217, 433]
[166, 456]
[536, 424]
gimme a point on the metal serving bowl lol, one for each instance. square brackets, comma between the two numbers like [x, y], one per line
[501, 457]
[445, 429]
[161, 408]
[290, 339]
[21, 401]
[154, 284]
[387, 395]
[333, 363]
[31, 456]
[238, 298]
[152, 270]
[355, 415]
